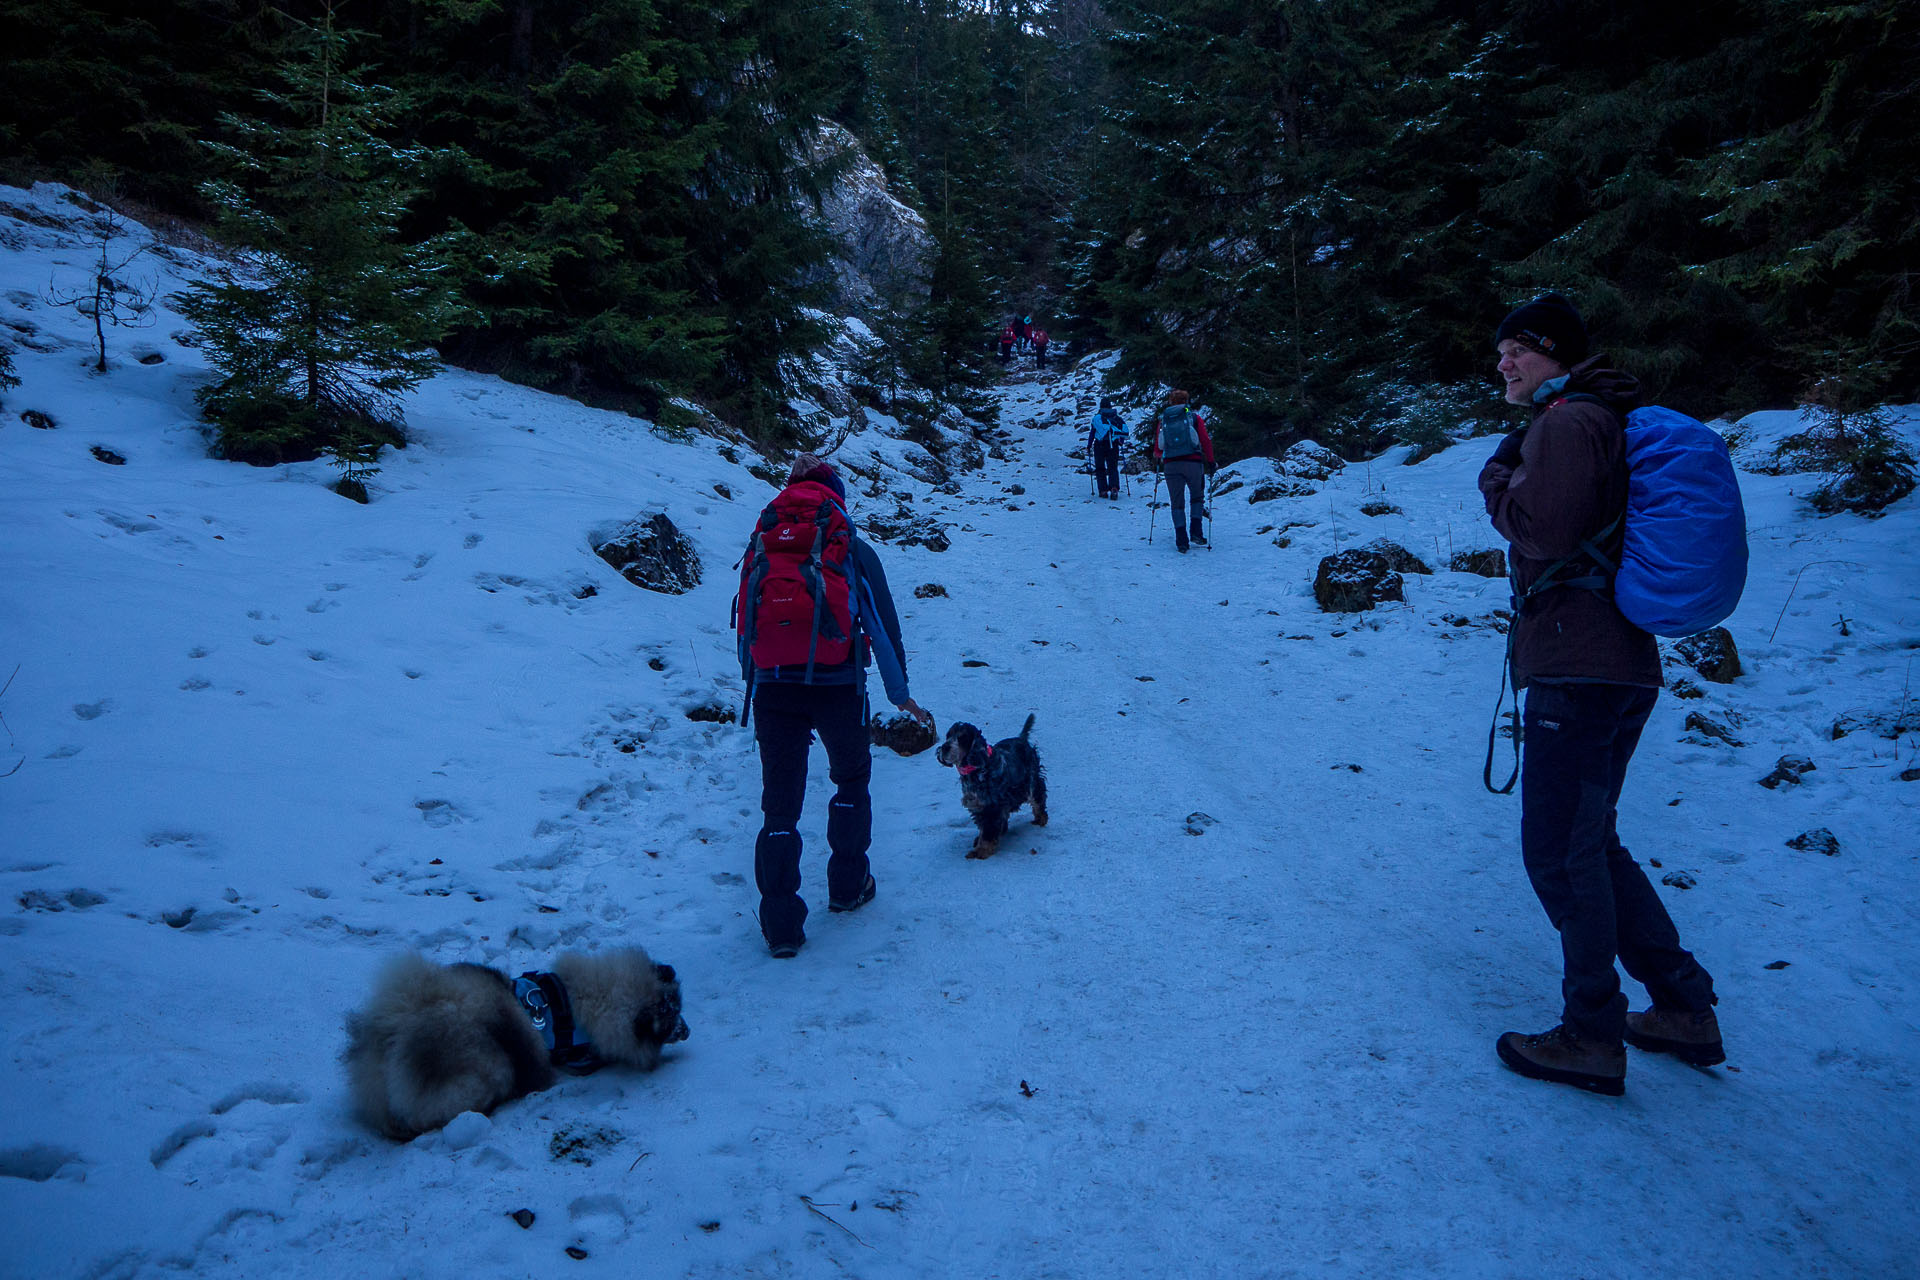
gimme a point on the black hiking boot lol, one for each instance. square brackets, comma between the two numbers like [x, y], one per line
[1199, 540]
[785, 950]
[1564, 1057]
[860, 899]
[1691, 1037]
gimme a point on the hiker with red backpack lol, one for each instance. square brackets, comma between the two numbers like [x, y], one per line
[1039, 339]
[1007, 340]
[812, 609]
[1568, 491]
[1183, 451]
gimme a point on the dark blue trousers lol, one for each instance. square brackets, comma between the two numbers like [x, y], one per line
[785, 718]
[1106, 466]
[1578, 739]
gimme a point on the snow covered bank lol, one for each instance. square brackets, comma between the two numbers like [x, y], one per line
[268, 737]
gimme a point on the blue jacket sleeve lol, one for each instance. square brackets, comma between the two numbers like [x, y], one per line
[881, 624]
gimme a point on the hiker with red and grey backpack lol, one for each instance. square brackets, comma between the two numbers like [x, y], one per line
[813, 608]
[1184, 452]
[1586, 495]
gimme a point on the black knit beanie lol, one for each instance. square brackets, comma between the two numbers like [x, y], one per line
[1550, 325]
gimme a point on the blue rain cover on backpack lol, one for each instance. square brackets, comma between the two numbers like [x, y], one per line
[1177, 435]
[1683, 564]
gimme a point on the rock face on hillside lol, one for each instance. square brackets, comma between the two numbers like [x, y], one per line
[885, 252]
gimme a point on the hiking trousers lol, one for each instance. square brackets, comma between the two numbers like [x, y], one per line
[785, 718]
[1577, 740]
[1187, 476]
[1106, 466]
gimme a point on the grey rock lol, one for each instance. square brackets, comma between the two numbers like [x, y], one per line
[1787, 772]
[651, 552]
[1356, 580]
[1818, 840]
[1306, 460]
[1712, 654]
[1490, 563]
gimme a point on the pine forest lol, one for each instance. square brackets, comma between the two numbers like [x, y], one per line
[1310, 213]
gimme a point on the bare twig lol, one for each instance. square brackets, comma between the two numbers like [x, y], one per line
[637, 1159]
[808, 1201]
[3, 724]
[1796, 586]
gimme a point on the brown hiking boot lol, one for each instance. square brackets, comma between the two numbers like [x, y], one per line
[1564, 1058]
[1690, 1037]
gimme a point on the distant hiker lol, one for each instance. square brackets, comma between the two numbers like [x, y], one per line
[1184, 451]
[1039, 339]
[1007, 339]
[1023, 329]
[1103, 446]
[1555, 488]
[813, 606]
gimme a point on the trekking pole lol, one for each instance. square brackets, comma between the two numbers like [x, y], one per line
[1211, 531]
[1153, 505]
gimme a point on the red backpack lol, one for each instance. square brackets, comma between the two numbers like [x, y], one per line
[796, 603]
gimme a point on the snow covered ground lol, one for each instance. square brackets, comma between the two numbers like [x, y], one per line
[268, 737]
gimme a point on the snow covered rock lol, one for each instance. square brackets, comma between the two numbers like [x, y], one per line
[1818, 840]
[1712, 653]
[1787, 772]
[651, 552]
[1309, 461]
[1355, 580]
[1398, 558]
[1491, 563]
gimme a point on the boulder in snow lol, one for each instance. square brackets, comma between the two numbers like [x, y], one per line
[651, 552]
[1711, 653]
[1355, 580]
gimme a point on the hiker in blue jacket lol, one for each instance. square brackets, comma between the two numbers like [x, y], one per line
[1103, 446]
[1553, 488]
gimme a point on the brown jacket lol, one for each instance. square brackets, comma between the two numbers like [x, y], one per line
[1551, 484]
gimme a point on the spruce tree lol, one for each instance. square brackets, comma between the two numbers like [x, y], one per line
[1819, 195]
[1248, 192]
[326, 321]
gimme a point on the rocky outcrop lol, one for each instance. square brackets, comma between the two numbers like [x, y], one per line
[885, 253]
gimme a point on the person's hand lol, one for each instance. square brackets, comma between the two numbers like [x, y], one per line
[1508, 452]
[918, 712]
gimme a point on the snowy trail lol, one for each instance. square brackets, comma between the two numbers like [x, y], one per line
[271, 737]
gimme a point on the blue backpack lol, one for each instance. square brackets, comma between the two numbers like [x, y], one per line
[1683, 554]
[1177, 435]
[1106, 425]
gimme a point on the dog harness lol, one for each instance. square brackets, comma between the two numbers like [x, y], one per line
[544, 999]
[967, 770]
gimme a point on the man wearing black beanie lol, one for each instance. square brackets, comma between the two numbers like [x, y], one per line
[1556, 489]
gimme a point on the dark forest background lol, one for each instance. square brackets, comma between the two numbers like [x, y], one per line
[1310, 213]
